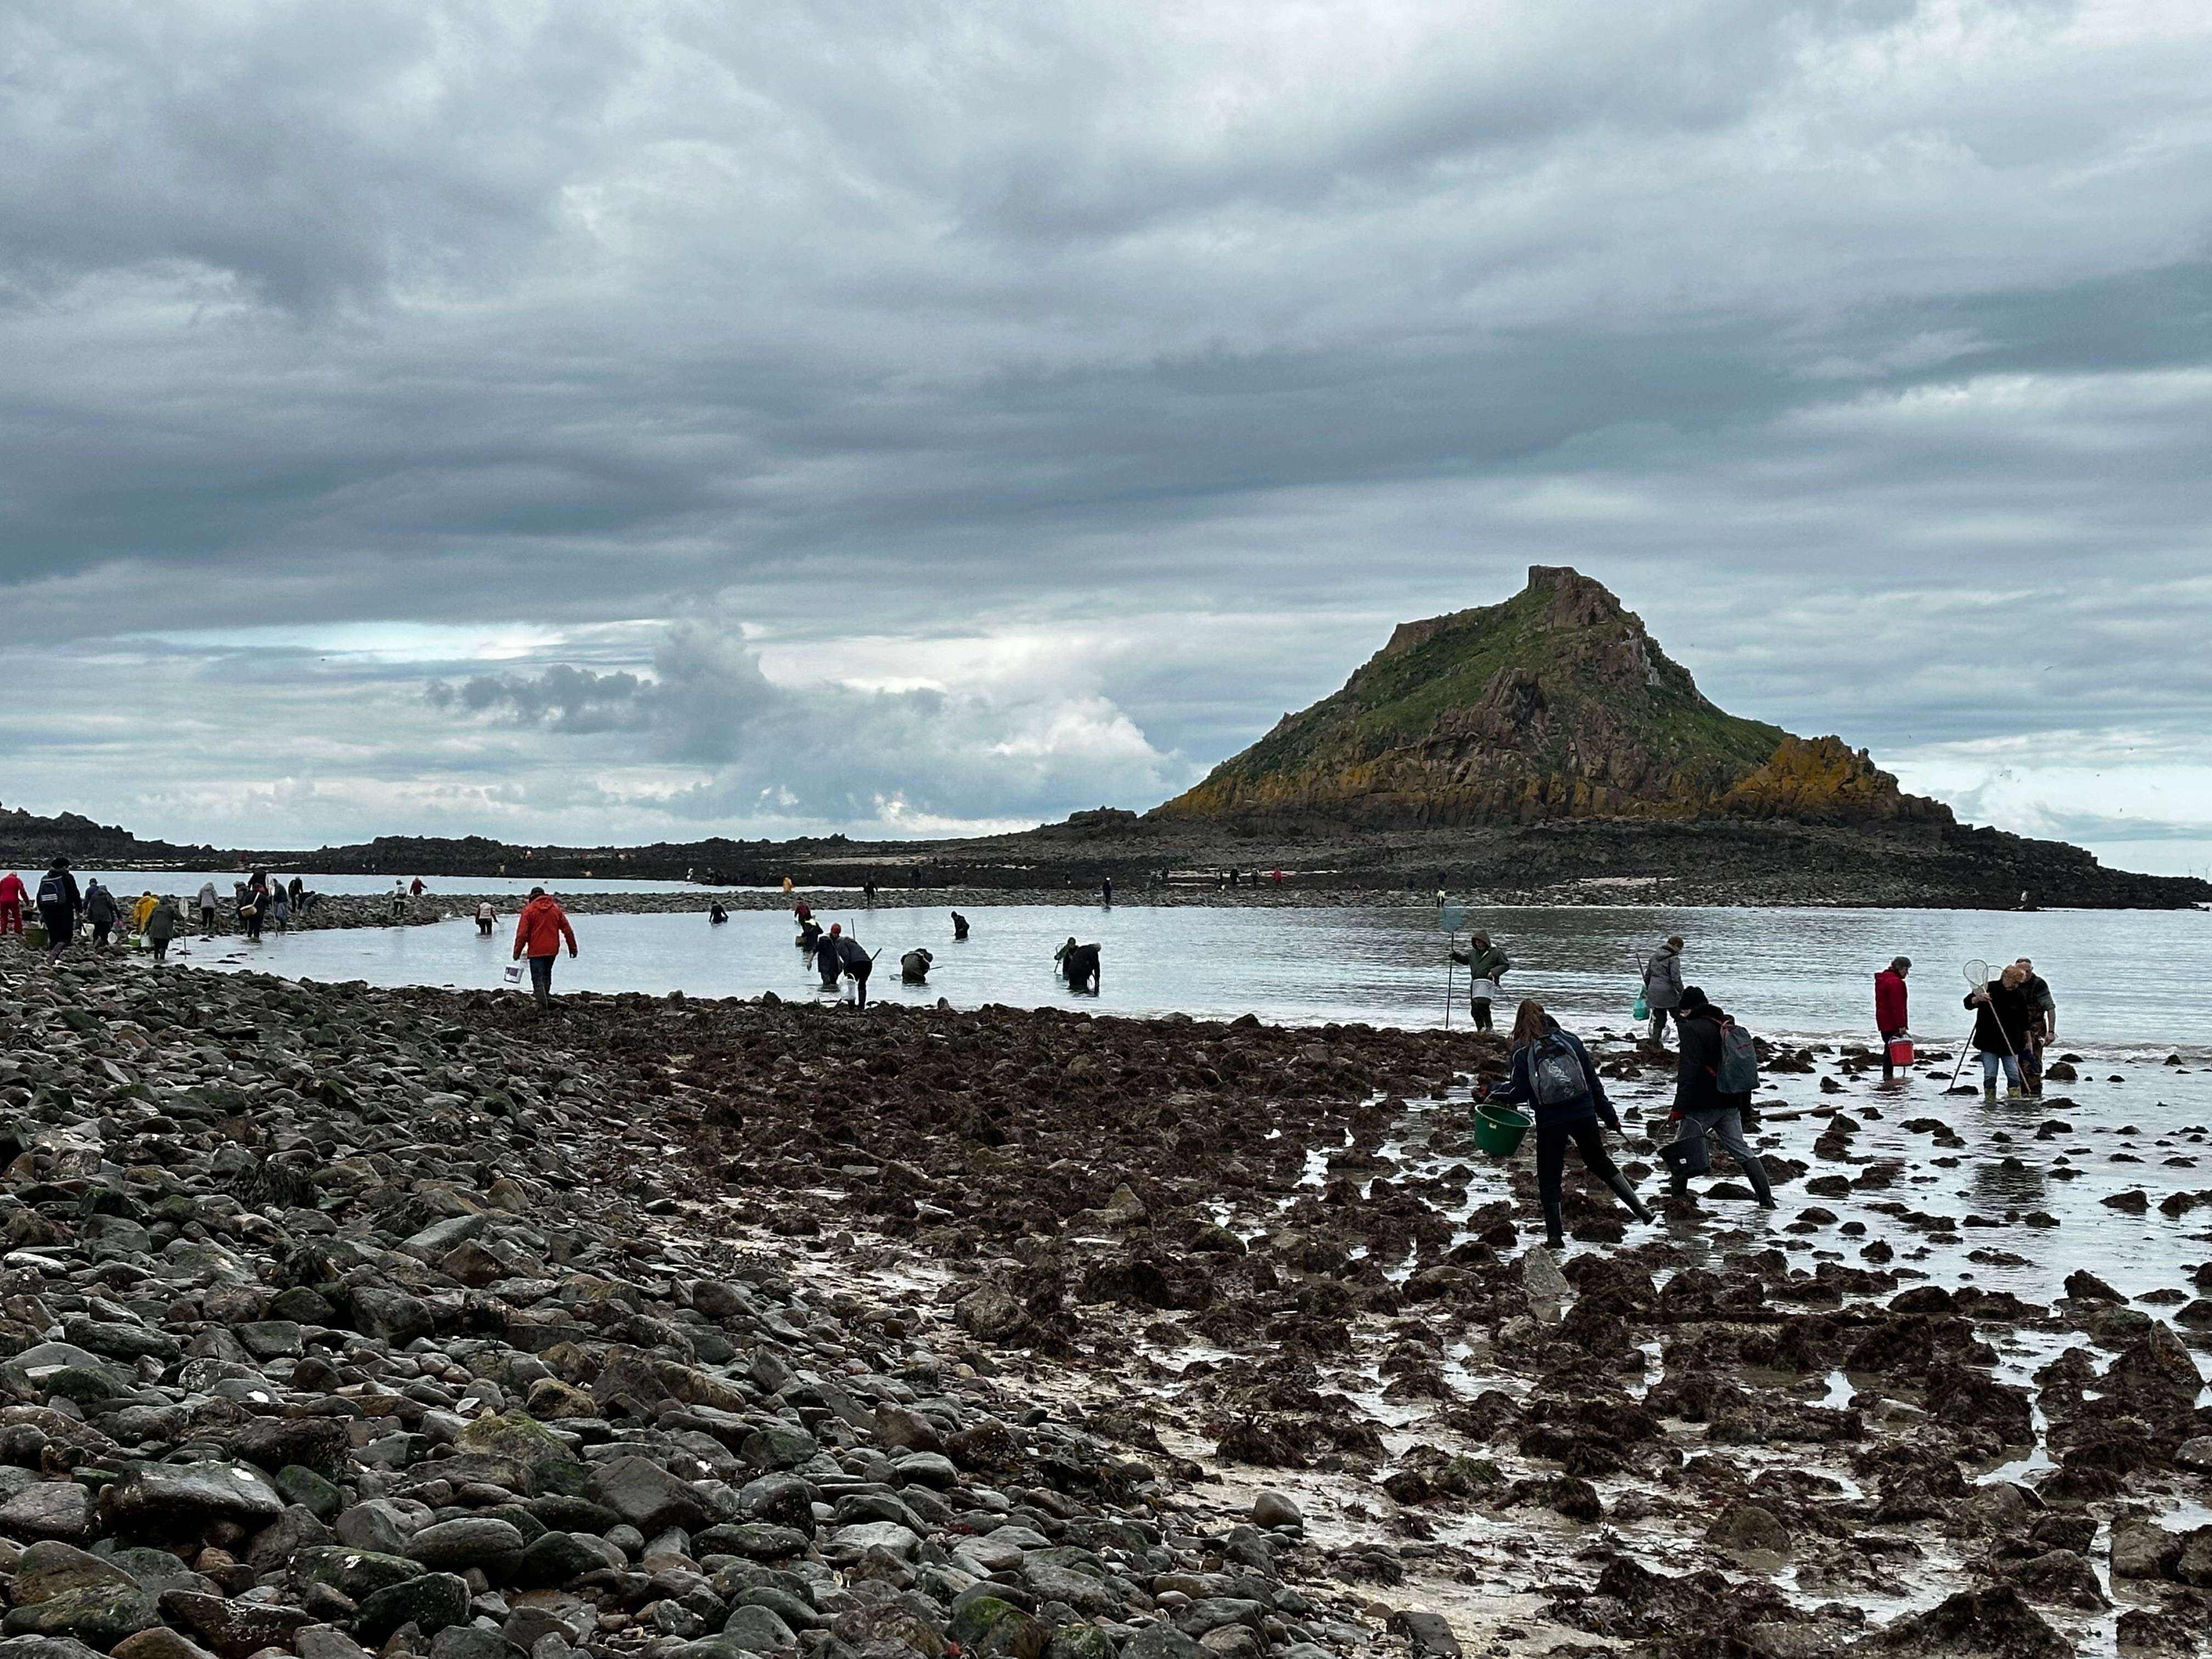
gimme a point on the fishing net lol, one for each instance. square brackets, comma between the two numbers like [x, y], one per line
[1978, 975]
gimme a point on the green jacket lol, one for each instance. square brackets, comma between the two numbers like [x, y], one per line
[164, 922]
[1490, 964]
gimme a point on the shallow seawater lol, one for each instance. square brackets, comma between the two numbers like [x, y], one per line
[2130, 979]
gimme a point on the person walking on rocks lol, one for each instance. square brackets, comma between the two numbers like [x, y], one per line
[208, 899]
[59, 903]
[1712, 1091]
[2042, 1026]
[1663, 988]
[2001, 1018]
[1890, 1020]
[163, 923]
[399, 897]
[539, 932]
[100, 911]
[830, 954]
[12, 895]
[1553, 1076]
[1486, 965]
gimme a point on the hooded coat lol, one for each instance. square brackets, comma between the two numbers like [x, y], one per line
[542, 928]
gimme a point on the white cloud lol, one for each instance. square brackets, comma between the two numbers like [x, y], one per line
[1064, 391]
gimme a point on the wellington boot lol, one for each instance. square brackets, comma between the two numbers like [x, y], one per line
[1554, 1232]
[1760, 1186]
[1989, 1093]
[1626, 1194]
[2015, 1094]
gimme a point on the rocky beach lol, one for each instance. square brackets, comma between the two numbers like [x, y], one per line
[408, 1322]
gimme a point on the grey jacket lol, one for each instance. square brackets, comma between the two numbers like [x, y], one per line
[1663, 979]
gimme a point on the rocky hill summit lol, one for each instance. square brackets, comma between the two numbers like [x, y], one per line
[1556, 704]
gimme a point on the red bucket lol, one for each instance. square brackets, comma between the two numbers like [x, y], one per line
[1900, 1051]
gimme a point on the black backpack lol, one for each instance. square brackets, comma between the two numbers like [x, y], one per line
[53, 891]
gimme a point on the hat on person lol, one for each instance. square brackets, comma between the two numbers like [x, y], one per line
[1693, 1000]
[535, 892]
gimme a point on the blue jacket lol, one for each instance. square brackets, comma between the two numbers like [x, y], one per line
[1519, 1088]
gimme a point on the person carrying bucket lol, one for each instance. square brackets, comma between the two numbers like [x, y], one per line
[1889, 1016]
[1551, 1075]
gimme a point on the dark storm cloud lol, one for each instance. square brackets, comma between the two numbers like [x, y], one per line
[1862, 346]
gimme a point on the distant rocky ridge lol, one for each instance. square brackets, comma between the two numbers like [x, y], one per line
[1556, 704]
[27, 839]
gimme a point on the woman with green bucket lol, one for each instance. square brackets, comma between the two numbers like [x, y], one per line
[1554, 1078]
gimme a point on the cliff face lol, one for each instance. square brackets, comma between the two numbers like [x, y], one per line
[1556, 704]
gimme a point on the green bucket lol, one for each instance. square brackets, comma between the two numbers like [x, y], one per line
[34, 935]
[1499, 1129]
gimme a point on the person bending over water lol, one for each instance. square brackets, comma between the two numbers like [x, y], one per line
[959, 927]
[1080, 962]
[1554, 1078]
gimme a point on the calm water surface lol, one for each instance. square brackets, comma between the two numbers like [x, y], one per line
[2122, 980]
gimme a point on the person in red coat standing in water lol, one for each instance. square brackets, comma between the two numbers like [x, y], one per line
[538, 931]
[12, 895]
[1889, 1015]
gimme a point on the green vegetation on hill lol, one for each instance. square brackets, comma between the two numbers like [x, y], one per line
[1555, 703]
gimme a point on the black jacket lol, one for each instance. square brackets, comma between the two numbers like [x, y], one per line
[1519, 1088]
[1696, 1088]
[72, 899]
[2001, 1023]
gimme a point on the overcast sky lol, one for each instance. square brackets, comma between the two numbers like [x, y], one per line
[646, 421]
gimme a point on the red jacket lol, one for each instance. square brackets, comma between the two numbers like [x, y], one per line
[540, 928]
[1889, 1001]
[11, 888]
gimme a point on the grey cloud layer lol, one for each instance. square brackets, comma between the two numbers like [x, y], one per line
[1866, 348]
